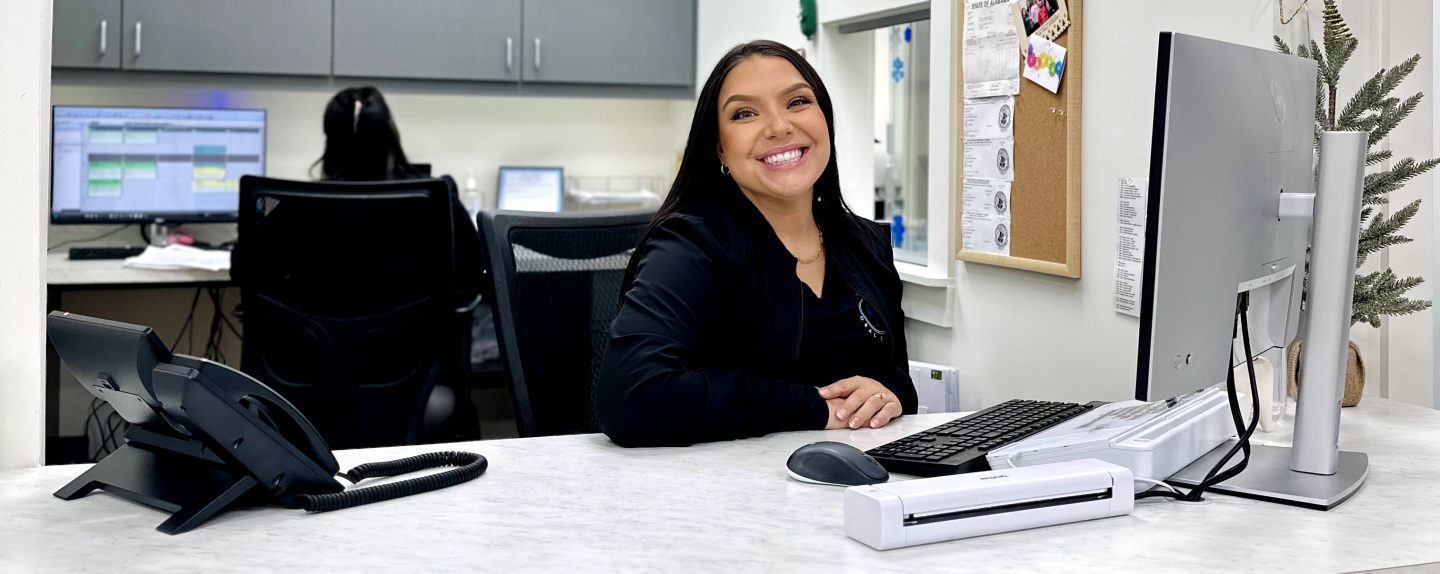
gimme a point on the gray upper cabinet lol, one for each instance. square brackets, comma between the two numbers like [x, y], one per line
[228, 36]
[86, 34]
[428, 39]
[622, 42]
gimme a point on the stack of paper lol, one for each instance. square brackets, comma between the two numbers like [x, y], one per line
[180, 257]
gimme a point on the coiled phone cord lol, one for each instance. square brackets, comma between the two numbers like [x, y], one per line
[471, 466]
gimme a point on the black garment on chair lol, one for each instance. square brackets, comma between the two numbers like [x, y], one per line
[351, 305]
[556, 290]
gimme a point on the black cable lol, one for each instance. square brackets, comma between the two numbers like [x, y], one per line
[1244, 438]
[112, 429]
[1232, 398]
[471, 466]
[107, 433]
[189, 319]
[1160, 493]
[1243, 432]
[99, 429]
[229, 325]
[83, 240]
[212, 339]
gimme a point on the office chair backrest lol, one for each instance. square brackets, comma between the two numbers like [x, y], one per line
[556, 290]
[346, 290]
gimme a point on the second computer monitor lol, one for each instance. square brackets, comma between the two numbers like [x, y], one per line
[1234, 129]
[531, 189]
[128, 164]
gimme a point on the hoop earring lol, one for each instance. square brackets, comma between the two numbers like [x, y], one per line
[725, 170]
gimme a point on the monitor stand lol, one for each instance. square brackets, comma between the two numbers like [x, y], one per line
[174, 474]
[1268, 477]
[159, 232]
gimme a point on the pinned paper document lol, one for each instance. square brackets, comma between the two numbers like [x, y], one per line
[989, 50]
[1130, 249]
[985, 221]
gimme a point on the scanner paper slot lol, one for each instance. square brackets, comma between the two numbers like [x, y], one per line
[918, 519]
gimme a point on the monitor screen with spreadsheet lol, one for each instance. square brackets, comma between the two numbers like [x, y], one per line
[131, 164]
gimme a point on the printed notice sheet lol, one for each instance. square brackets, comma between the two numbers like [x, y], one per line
[991, 42]
[989, 159]
[990, 118]
[985, 226]
[1130, 253]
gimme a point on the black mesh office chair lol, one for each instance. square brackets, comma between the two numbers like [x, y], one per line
[556, 290]
[350, 306]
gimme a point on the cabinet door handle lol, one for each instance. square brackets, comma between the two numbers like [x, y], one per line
[137, 39]
[509, 53]
[537, 52]
[104, 28]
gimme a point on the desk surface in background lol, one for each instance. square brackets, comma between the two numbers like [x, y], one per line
[581, 503]
[61, 271]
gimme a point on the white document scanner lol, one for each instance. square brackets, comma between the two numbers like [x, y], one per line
[1153, 440]
[921, 511]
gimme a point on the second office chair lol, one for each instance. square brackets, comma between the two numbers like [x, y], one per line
[557, 288]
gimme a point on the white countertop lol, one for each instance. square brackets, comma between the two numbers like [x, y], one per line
[581, 503]
[60, 270]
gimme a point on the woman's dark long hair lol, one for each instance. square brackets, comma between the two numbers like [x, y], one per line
[700, 175]
[361, 140]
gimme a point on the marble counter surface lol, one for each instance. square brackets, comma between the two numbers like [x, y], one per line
[581, 503]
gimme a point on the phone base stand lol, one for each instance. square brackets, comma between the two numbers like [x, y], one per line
[176, 475]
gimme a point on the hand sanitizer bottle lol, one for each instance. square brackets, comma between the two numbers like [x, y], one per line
[471, 196]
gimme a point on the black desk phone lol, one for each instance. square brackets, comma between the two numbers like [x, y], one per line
[204, 436]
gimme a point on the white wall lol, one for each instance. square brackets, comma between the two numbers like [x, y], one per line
[1027, 335]
[721, 24]
[1399, 356]
[24, 161]
[1410, 340]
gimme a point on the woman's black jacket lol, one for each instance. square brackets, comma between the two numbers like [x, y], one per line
[706, 345]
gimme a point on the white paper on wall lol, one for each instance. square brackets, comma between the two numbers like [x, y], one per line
[1130, 249]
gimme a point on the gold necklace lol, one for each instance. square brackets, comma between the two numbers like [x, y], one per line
[816, 256]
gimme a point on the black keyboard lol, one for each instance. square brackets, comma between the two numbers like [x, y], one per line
[960, 445]
[105, 252]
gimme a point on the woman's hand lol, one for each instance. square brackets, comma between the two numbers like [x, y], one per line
[862, 401]
[835, 422]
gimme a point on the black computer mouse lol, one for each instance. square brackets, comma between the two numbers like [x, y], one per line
[835, 463]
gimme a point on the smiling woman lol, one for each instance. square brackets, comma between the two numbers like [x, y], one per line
[756, 301]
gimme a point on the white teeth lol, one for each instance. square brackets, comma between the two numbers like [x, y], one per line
[783, 157]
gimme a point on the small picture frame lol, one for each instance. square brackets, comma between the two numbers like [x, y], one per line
[1047, 19]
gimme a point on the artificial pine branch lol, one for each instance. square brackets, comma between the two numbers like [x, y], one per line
[1392, 112]
[1366, 99]
[1378, 185]
[1397, 74]
[1374, 110]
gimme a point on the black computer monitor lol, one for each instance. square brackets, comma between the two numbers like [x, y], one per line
[140, 165]
[531, 189]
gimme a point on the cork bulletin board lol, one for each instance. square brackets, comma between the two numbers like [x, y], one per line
[1045, 194]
